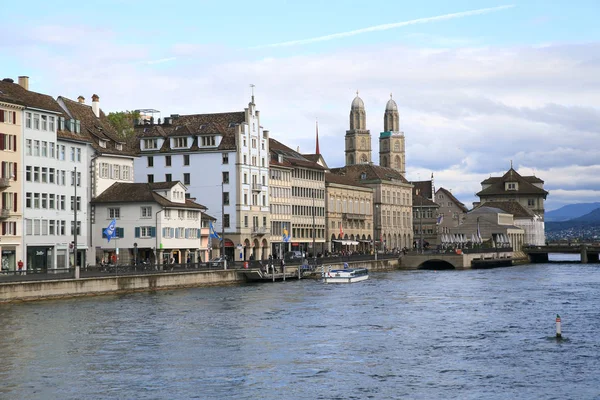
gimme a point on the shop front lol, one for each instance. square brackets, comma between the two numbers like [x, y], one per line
[9, 259]
[40, 258]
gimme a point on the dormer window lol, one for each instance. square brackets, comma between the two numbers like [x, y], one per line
[61, 123]
[72, 125]
[119, 146]
[77, 126]
[102, 143]
[180, 142]
[150, 144]
[511, 185]
[208, 141]
[363, 176]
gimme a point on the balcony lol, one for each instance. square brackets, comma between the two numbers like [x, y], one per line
[358, 217]
[259, 230]
[4, 183]
[256, 187]
[4, 213]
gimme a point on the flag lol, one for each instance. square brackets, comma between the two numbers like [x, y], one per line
[478, 232]
[440, 219]
[111, 230]
[211, 233]
[286, 235]
[341, 231]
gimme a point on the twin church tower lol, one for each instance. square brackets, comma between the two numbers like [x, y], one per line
[391, 140]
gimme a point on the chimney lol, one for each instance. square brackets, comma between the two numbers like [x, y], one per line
[96, 105]
[24, 82]
[81, 99]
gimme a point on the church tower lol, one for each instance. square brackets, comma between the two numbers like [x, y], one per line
[358, 138]
[391, 140]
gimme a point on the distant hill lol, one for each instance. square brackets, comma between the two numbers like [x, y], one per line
[570, 211]
[589, 220]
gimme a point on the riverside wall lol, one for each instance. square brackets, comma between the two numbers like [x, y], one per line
[67, 288]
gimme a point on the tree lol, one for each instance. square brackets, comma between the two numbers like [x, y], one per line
[123, 122]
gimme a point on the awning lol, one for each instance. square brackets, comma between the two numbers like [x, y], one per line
[347, 242]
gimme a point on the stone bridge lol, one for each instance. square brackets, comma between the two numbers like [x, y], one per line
[539, 254]
[456, 261]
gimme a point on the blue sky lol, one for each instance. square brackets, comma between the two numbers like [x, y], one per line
[478, 84]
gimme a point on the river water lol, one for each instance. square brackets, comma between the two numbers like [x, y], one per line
[477, 334]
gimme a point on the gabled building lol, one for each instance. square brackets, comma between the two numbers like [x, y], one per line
[280, 202]
[526, 190]
[154, 222]
[451, 212]
[425, 213]
[307, 199]
[223, 160]
[392, 203]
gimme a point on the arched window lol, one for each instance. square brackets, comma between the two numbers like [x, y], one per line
[350, 159]
[397, 162]
[384, 162]
[397, 145]
[363, 144]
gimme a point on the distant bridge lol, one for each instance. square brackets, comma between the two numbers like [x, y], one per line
[589, 251]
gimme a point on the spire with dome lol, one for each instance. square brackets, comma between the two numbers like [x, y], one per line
[358, 138]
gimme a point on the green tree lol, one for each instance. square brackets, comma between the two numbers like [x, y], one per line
[123, 122]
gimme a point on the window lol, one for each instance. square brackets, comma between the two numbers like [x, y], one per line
[226, 220]
[146, 212]
[78, 154]
[114, 213]
[245, 178]
[531, 202]
[226, 198]
[125, 173]
[51, 150]
[36, 121]
[63, 203]
[145, 232]
[51, 124]
[186, 178]
[245, 199]
[61, 155]
[168, 178]
[225, 177]
[167, 161]
[51, 225]
[28, 199]
[44, 175]
[44, 149]
[150, 178]
[253, 143]
[28, 173]
[186, 159]
[36, 174]
[103, 170]
[245, 221]
[512, 186]
[36, 200]
[150, 144]
[208, 141]
[51, 201]
[28, 147]
[28, 120]
[180, 142]
[116, 172]
[225, 158]
[36, 148]
[44, 122]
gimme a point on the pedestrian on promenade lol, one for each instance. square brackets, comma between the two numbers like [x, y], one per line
[20, 266]
[282, 264]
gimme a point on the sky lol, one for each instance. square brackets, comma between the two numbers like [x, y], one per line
[479, 84]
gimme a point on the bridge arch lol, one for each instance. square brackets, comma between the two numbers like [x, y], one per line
[436, 265]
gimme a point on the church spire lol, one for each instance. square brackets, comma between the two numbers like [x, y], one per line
[317, 149]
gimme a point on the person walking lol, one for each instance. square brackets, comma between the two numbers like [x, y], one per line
[282, 265]
[20, 266]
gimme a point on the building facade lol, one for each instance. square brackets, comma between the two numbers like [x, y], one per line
[392, 203]
[349, 215]
[155, 223]
[307, 200]
[11, 175]
[452, 212]
[280, 201]
[223, 159]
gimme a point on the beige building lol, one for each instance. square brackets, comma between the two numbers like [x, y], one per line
[349, 214]
[307, 200]
[11, 174]
[391, 140]
[392, 203]
[358, 137]
[452, 212]
[280, 202]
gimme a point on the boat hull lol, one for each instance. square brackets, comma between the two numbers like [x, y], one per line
[340, 279]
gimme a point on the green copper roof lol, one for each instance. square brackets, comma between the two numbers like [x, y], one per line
[385, 134]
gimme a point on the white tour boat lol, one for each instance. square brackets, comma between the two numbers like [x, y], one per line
[347, 275]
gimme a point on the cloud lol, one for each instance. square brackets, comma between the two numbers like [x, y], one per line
[160, 60]
[465, 112]
[385, 27]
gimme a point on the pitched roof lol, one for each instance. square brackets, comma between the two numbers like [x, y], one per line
[372, 173]
[223, 124]
[96, 129]
[421, 201]
[526, 186]
[453, 198]
[512, 207]
[122, 192]
[342, 180]
[291, 156]
[14, 91]
[424, 188]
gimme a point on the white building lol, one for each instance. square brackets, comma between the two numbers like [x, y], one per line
[223, 160]
[51, 152]
[110, 160]
[154, 221]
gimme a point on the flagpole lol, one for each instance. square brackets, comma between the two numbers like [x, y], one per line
[76, 269]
